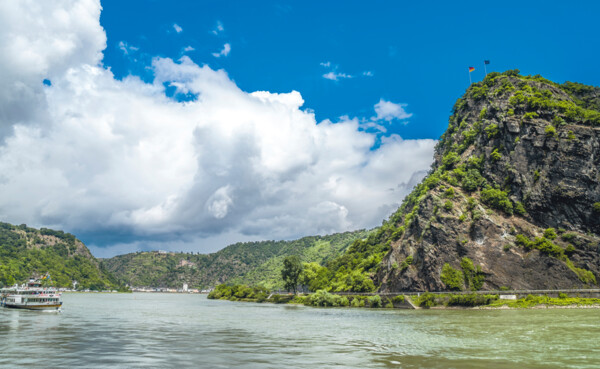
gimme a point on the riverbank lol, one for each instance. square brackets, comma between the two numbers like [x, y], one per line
[423, 301]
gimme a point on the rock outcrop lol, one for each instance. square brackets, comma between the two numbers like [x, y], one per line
[513, 196]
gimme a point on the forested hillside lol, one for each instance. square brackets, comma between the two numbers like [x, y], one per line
[26, 251]
[256, 263]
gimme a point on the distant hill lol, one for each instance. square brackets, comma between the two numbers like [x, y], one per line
[26, 251]
[255, 263]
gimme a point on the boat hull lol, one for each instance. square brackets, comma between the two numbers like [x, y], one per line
[34, 307]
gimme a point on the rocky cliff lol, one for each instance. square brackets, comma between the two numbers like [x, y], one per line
[513, 196]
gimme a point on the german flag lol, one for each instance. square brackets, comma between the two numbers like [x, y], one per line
[471, 69]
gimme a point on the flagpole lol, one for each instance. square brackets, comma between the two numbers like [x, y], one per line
[470, 83]
[484, 68]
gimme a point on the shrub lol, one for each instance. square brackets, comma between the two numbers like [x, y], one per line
[519, 208]
[374, 301]
[522, 241]
[568, 237]
[398, 299]
[550, 131]
[571, 135]
[450, 159]
[529, 116]
[570, 249]
[355, 302]
[426, 300]
[472, 180]
[448, 205]
[596, 207]
[472, 299]
[452, 278]
[495, 155]
[506, 247]
[492, 130]
[449, 193]
[550, 233]
[497, 199]
[536, 175]
[563, 295]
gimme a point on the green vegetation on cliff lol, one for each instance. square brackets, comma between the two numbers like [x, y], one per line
[26, 251]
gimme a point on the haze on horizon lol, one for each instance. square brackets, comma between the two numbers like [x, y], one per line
[148, 126]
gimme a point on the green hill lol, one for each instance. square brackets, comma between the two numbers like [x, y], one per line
[255, 263]
[26, 251]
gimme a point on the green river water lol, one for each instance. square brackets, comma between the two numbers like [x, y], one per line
[180, 331]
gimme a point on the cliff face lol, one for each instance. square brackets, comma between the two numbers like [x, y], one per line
[513, 196]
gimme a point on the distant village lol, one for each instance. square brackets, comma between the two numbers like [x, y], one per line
[183, 289]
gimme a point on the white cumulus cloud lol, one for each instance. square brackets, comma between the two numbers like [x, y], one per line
[224, 52]
[177, 28]
[103, 157]
[387, 110]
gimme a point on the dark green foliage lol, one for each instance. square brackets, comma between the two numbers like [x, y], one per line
[374, 301]
[511, 73]
[519, 208]
[292, 268]
[450, 159]
[404, 265]
[472, 180]
[473, 276]
[550, 131]
[448, 205]
[492, 130]
[568, 237]
[596, 207]
[239, 292]
[530, 116]
[497, 199]
[426, 300]
[550, 233]
[471, 300]
[495, 155]
[314, 276]
[452, 278]
[449, 193]
[563, 295]
[570, 250]
[398, 299]
[326, 299]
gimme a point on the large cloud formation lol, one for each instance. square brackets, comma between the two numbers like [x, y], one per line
[95, 155]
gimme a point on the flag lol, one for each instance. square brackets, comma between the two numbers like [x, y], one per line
[471, 69]
[486, 62]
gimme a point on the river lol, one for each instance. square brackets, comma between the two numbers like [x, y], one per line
[179, 331]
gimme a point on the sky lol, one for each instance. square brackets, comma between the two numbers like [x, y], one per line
[190, 125]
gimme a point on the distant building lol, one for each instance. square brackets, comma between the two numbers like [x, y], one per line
[185, 287]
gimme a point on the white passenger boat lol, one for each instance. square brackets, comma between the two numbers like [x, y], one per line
[31, 296]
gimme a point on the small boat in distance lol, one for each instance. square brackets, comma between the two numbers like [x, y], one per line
[31, 296]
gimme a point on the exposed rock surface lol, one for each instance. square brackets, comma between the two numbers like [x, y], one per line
[521, 155]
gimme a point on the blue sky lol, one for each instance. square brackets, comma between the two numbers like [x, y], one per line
[417, 52]
[190, 125]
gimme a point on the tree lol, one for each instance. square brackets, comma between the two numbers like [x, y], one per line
[292, 268]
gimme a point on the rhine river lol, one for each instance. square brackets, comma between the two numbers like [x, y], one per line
[180, 331]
